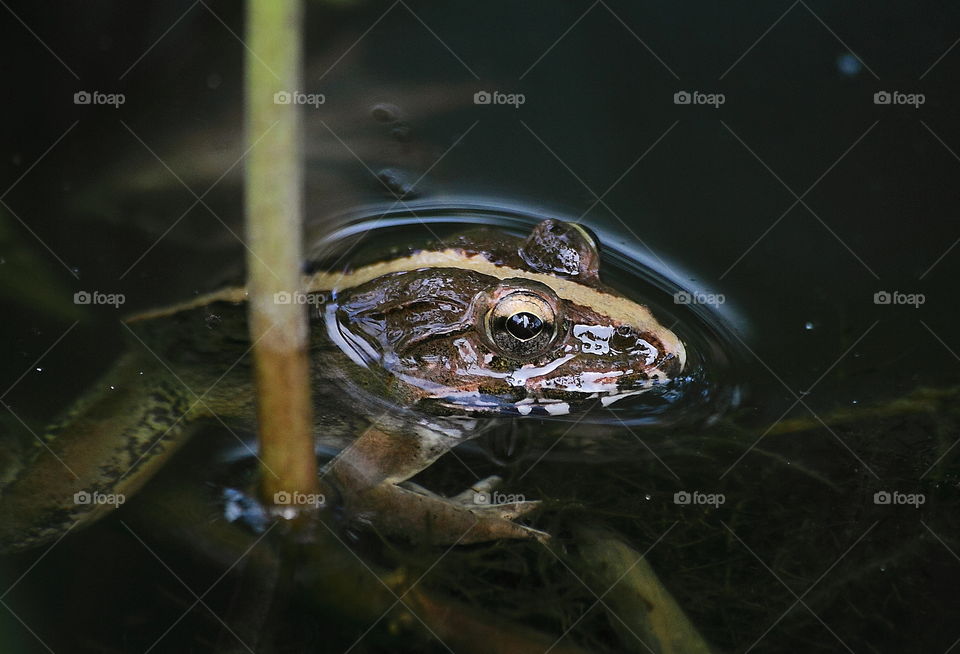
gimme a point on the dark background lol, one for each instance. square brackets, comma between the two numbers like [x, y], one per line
[93, 212]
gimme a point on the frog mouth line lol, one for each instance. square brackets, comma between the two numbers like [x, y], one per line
[528, 406]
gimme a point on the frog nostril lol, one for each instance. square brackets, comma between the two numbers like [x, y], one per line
[524, 325]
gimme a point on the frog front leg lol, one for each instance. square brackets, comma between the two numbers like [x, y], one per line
[368, 474]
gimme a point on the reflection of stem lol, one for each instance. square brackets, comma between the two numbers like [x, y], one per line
[273, 219]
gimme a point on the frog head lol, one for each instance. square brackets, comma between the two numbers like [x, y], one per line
[504, 325]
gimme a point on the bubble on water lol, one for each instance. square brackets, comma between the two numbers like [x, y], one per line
[647, 497]
[39, 369]
[401, 132]
[385, 112]
[808, 325]
[214, 80]
[849, 65]
[397, 182]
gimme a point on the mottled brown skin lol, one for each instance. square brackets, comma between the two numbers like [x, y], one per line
[418, 320]
[409, 358]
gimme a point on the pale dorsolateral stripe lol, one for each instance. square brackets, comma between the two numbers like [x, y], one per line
[618, 308]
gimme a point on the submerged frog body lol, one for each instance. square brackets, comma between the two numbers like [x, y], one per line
[409, 356]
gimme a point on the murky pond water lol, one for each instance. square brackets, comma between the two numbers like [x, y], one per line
[796, 490]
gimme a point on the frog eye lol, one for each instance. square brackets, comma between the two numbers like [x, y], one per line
[521, 323]
[524, 325]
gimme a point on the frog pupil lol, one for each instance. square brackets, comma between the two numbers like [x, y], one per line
[524, 325]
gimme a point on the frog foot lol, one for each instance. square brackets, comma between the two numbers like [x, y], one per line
[417, 513]
[480, 493]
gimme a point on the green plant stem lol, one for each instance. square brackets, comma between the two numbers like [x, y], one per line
[273, 201]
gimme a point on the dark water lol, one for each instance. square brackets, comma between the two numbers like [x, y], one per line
[792, 210]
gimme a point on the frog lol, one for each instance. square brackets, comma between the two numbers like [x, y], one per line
[410, 356]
